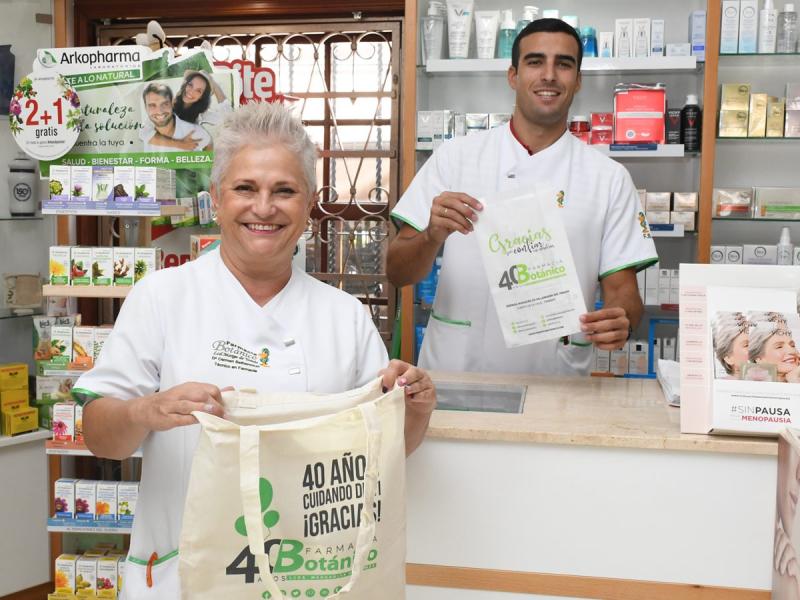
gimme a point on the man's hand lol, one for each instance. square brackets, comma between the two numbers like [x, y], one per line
[173, 408]
[606, 328]
[452, 211]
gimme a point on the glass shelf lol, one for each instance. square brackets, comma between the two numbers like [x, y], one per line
[754, 219]
[760, 139]
[8, 313]
[789, 59]
[22, 218]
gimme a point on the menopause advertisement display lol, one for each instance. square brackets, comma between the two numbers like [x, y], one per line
[786, 550]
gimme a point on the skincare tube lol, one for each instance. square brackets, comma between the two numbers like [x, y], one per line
[459, 26]
[486, 24]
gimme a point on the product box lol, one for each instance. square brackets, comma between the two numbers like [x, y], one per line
[86, 577]
[64, 498]
[657, 37]
[497, 119]
[121, 574]
[81, 190]
[106, 506]
[759, 254]
[65, 572]
[641, 38]
[85, 499]
[777, 203]
[796, 255]
[637, 358]
[64, 422]
[642, 198]
[748, 26]
[674, 287]
[205, 211]
[124, 184]
[733, 202]
[729, 32]
[664, 276]
[733, 255]
[83, 347]
[425, 130]
[191, 214]
[59, 265]
[476, 122]
[684, 201]
[127, 495]
[717, 255]
[639, 114]
[734, 96]
[201, 244]
[61, 344]
[658, 217]
[757, 125]
[651, 280]
[52, 389]
[601, 136]
[602, 361]
[697, 34]
[107, 577]
[619, 360]
[81, 266]
[791, 128]
[123, 265]
[100, 336]
[681, 49]
[21, 419]
[605, 44]
[146, 260]
[623, 38]
[668, 347]
[792, 96]
[153, 184]
[459, 125]
[16, 397]
[102, 266]
[59, 183]
[672, 121]
[43, 349]
[102, 183]
[78, 423]
[13, 376]
[657, 201]
[775, 113]
[733, 123]
[682, 218]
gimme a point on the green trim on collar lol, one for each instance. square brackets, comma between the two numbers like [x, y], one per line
[639, 265]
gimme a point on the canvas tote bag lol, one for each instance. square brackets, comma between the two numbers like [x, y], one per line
[275, 498]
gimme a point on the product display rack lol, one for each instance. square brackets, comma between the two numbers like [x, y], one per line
[140, 210]
[589, 66]
[56, 525]
[73, 449]
[89, 291]
[23, 438]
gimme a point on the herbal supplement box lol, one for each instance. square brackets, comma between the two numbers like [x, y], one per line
[106, 506]
[61, 344]
[107, 577]
[81, 266]
[13, 376]
[85, 499]
[78, 423]
[83, 347]
[59, 183]
[102, 266]
[86, 577]
[127, 495]
[59, 265]
[102, 183]
[64, 422]
[123, 265]
[154, 184]
[65, 573]
[100, 336]
[124, 183]
[200, 244]
[146, 260]
[51, 389]
[64, 498]
[81, 190]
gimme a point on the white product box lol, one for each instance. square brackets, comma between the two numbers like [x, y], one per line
[797, 255]
[681, 49]
[85, 499]
[682, 218]
[476, 122]
[153, 184]
[651, 279]
[106, 501]
[64, 422]
[697, 34]
[459, 125]
[61, 343]
[65, 573]
[64, 498]
[733, 255]
[81, 189]
[663, 286]
[498, 119]
[656, 351]
[124, 184]
[602, 361]
[123, 265]
[717, 256]
[658, 201]
[425, 130]
[80, 260]
[684, 201]
[100, 336]
[637, 358]
[107, 573]
[127, 495]
[145, 261]
[60, 265]
[668, 349]
[605, 44]
[102, 183]
[641, 37]
[657, 37]
[60, 184]
[102, 266]
[658, 217]
[760, 254]
[748, 26]
[86, 576]
[640, 283]
[619, 360]
[623, 37]
[674, 278]
[729, 32]
[642, 198]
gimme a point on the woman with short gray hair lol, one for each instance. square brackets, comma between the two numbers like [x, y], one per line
[731, 341]
[771, 343]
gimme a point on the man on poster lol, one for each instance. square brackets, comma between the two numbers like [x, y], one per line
[158, 102]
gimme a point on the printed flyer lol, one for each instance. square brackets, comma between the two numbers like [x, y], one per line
[529, 266]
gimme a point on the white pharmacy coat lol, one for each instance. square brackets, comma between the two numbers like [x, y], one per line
[602, 215]
[197, 323]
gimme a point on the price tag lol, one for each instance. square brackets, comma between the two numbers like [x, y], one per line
[44, 115]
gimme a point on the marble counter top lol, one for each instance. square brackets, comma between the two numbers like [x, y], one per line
[585, 411]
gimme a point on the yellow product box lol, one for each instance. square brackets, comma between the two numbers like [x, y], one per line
[65, 573]
[13, 397]
[776, 109]
[78, 423]
[13, 376]
[107, 577]
[733, 123]
[200, 244]
[735, 96]
[86, 576]
[757, 127]
[64, 421]
[120, 572]
[83, 347]
[61, 596]
[22, 420]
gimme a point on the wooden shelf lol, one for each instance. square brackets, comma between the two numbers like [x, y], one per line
[88, 291]
[590, 65]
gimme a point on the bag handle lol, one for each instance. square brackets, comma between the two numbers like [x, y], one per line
[249, 474]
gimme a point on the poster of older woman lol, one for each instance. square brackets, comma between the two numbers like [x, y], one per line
[772, 344]
[730, 337]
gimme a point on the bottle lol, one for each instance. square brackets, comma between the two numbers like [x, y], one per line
[433, 31]
[588, 41]
[21, 187]
[508, 31]
[785, 247]
[691, 122]
[787, 29]
[529, 13]
[767, 28]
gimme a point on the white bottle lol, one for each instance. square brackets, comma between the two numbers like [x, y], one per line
[787, 29]
[785, 247]
[767, 28]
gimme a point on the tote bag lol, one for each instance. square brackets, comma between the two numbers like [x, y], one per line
[298, 496]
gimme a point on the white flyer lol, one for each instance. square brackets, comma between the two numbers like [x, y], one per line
[529, 266]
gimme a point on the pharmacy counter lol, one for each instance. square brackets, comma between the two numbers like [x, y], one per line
[590, 491]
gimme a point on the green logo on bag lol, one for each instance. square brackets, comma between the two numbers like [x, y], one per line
[270, 517]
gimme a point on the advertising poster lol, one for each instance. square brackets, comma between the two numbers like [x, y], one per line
[786, 549]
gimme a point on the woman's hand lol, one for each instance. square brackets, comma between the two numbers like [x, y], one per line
[420, 395]
[173, 407]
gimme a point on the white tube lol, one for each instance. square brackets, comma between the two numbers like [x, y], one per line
[459, 27]
[486, 23]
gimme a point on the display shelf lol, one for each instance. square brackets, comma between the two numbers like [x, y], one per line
[756, 219]
[21, 218]
[661, 151]
[8, 313]
[134, 209]
[74, 449]
[24, 438]
[758, 139]
[664, 230]
[590, 65]
[762, 61]
[56, 525]
[88, 291]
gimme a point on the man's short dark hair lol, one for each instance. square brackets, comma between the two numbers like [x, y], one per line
[547, 26]
[157, 88]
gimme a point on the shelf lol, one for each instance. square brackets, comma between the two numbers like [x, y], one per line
[662, 151]
[673, 230]
[758, 139]
[590, 65]
[88, 291]
[21, 218]
[74, 449]
[110, 209]
[24, 438]
[8, 313]
[760, 61]
[55, 525]
[756, 219]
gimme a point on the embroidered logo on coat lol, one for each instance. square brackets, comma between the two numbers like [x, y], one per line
[560, 199]
[643, 224]
[228, 355]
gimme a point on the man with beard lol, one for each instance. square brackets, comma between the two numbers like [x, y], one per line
[158, 104]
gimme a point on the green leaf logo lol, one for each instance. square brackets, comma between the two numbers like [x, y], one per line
[270, 517]
[47, 59]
